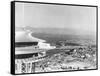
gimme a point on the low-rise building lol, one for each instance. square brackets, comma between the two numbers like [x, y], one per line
[28, 51]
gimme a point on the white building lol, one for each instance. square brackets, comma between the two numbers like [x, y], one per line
[25, 43]
[28, 51]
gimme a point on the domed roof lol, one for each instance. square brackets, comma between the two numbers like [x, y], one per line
[25, 36]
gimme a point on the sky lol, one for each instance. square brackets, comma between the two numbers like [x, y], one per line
[55, 16]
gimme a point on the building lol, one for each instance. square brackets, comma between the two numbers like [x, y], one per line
[28, 51]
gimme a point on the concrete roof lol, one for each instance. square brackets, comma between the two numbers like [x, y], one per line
[28, 50]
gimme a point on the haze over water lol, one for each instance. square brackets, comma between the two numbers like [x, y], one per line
[74, 18]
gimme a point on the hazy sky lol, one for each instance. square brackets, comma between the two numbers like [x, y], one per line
[55, 16]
